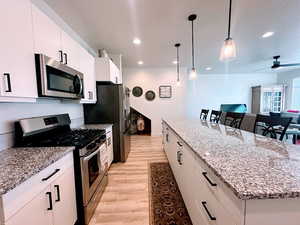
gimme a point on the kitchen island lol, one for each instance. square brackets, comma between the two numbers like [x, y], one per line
[229, 176]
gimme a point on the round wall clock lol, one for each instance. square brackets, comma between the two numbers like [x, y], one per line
[150, 95]
[137, 91]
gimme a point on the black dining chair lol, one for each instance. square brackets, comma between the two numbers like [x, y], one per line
[215, 116]
[204, 114]
[271, 126]
[234, 119]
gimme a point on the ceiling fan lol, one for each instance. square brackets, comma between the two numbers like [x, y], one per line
[277, 64]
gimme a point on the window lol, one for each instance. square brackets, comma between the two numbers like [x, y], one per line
[272, 99]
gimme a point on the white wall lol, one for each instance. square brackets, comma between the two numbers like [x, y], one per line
[208, 91]
[287, 78]
[151, 79]
[10, 112]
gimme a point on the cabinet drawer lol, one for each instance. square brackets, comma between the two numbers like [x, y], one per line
[15, 199]
[218, 193]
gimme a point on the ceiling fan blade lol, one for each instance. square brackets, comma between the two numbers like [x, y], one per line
[291, 64]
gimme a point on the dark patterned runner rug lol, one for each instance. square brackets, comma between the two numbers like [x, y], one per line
[166, 204]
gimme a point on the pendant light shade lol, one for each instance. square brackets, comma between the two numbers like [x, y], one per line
[177, 64]
[193, 72]
[228, 51]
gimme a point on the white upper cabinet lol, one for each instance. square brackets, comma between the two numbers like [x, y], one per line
[28, 30]
[47, 35]
[106, 70]
[71, 51]
[87, 67]
[17, 67]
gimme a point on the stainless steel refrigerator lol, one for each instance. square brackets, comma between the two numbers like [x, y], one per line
[113, 107]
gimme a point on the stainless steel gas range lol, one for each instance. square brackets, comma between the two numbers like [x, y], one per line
[90, 177]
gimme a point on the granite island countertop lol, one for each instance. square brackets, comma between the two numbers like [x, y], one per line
[19, 164]
[252, 166]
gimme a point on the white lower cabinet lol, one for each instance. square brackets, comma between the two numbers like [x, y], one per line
[34, 212]
[47, 198]
[64, 199]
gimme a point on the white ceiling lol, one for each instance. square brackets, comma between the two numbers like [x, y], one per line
[112, 24]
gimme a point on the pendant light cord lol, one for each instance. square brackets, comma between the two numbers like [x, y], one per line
[193, 53]
[229, 22]
[178, 64]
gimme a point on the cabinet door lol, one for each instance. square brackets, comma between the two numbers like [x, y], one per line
[71, 51]
[64, 199]
[17, 66]
[173, 152]
[37, 211]
[87, 67]
[47, 35]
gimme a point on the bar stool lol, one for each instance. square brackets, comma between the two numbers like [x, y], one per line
[234, 119]
[215, 116]
[271, 126]
[204, 114]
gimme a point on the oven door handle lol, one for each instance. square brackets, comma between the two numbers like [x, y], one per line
[85, 158]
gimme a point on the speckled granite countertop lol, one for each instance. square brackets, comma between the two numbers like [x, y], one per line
[252, 166]
[19, 164]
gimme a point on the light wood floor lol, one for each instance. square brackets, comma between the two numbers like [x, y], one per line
[125, 200]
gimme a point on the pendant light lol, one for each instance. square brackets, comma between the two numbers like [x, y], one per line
[228, 51]
[177, 64]
[193, 72]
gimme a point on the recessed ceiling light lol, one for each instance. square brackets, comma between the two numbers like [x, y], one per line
[208, 68]
[137, 41]
[267, 34]
[140, 62]
[175, 62]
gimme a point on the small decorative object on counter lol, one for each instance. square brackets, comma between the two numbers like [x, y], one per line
[137, 91]
[150, 95]
[165, 91]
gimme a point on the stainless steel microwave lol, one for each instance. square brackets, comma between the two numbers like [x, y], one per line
[57, 80]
